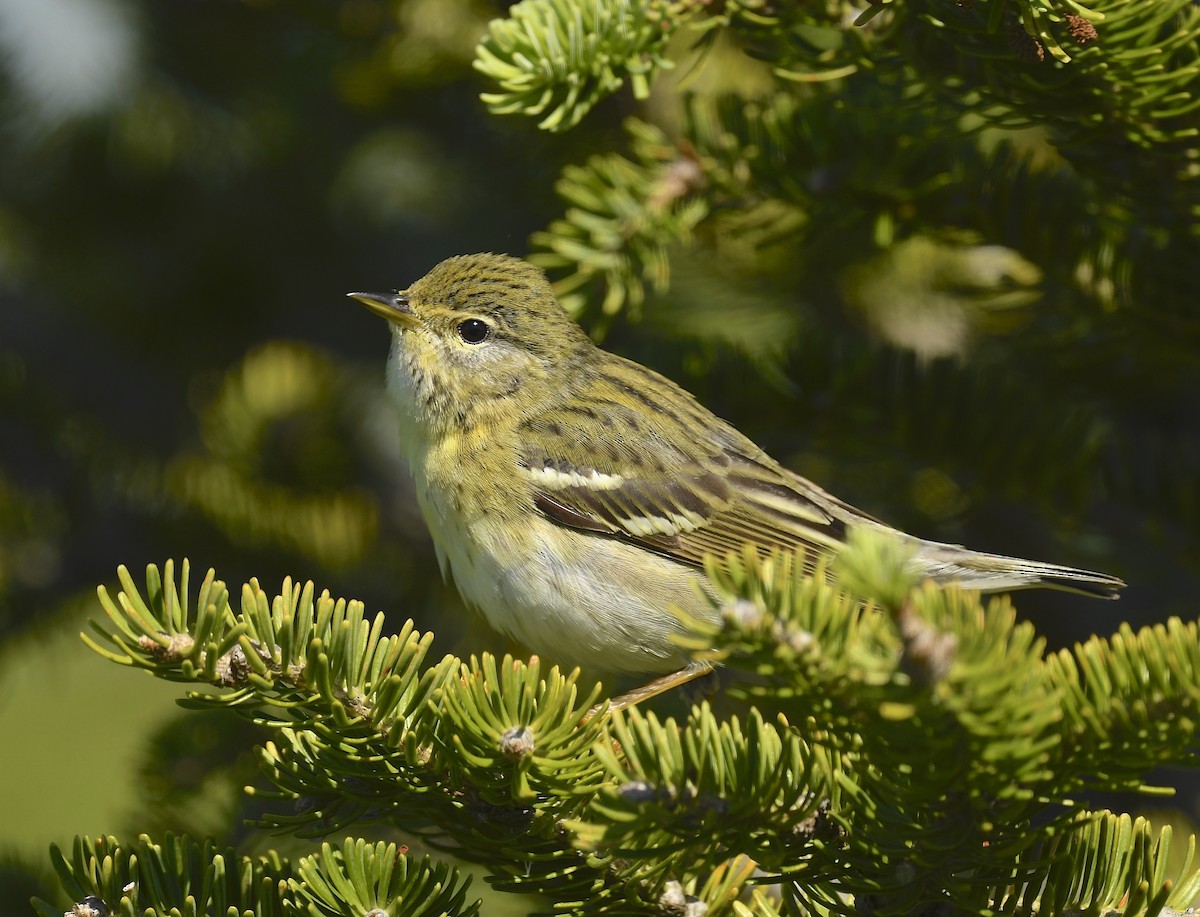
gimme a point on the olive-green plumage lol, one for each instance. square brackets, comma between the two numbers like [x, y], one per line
[573, 494]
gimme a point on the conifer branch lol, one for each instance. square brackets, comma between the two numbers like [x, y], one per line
[554, 59]
[105, 877]
[807, 164]
[915, 749]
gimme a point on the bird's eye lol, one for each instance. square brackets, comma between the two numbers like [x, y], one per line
[474, 330]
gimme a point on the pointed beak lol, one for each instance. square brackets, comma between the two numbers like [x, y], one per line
[393, 306]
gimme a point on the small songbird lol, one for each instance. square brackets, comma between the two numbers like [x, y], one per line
[573, 494]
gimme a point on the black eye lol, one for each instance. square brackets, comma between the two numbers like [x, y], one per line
[474, 330]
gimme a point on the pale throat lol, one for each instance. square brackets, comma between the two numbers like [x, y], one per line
[412, 394]
[437, 430]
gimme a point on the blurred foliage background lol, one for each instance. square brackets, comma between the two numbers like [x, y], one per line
[981, 330]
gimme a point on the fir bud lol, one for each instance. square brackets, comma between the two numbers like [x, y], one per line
[1080, 28]
[928, 653]
[1024, 45]
[742, 613]
[233, 669]
[91, 906]
[638, 792]
[797, 640]
[357, 704]
[679, 179]
[672, 897]
[517, 742]
[179, 646]
[674, 900]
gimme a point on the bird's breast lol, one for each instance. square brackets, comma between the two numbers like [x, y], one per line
[572, 597]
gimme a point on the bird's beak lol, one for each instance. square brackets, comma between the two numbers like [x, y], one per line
[393, 306]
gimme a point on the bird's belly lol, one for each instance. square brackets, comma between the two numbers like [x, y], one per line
[571, 597]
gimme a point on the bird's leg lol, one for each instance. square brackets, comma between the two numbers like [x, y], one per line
[660, 685]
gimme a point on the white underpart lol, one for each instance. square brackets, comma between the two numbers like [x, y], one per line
[576, 598]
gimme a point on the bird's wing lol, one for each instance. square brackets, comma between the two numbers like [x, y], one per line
[631, 456]
[713, 497]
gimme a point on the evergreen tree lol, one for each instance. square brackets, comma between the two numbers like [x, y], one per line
[988, 209]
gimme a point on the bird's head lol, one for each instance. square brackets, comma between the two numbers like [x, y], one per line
[478, 336]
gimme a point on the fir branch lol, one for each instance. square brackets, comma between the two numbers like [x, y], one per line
[106, 877]
[913, 747]
[750, 174]
[708, 788]
[362, 878]
[798, 166]
[515, 736]
[364, 733]
[1129, 93]
[802, 42]
[984, 721]
[624, 217]
[1131, 703]
[1102, 863]
[555, 59]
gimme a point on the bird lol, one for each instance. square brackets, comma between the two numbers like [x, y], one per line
[573, 495]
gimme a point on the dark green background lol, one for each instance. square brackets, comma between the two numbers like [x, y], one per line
[178, 229]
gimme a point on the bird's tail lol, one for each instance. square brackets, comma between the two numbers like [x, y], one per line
[997, 573]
